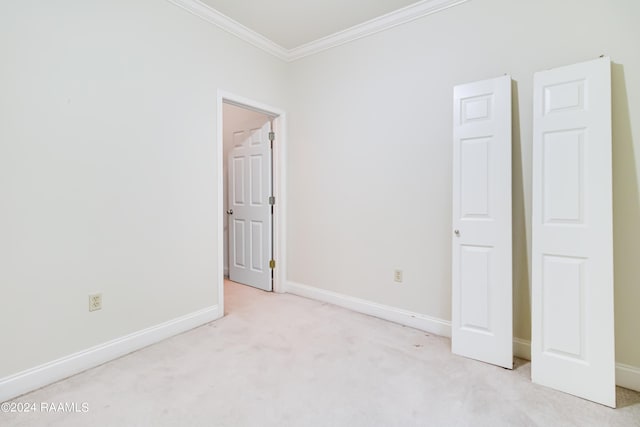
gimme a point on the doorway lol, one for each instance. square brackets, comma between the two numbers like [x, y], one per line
[251, 245]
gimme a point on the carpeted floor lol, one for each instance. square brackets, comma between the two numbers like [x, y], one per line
[281, 360]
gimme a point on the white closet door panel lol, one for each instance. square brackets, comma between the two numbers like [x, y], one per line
[481, 259]
[572, 345]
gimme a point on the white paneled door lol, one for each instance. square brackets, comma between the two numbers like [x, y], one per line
[250, 213]
[572, 343]
[481, 259]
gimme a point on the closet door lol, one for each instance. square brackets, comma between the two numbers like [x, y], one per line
[572, 345]
[481, 258]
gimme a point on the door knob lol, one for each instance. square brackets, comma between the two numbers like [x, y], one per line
[229, 211]
[457, 233]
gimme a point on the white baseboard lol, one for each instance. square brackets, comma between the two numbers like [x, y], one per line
[392, 314]
[627, 376]
[48, 373]
[522, 348]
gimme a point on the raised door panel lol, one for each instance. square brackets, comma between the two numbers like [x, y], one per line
[475, 166]
[239, 247]
[563, 176]
[564, 306]
[257, 237]
[475, 288]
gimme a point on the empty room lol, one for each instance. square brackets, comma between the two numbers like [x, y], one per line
[336, 213]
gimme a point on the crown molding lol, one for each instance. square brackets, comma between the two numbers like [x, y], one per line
[381, 23]
[211, 15]
[375, 25]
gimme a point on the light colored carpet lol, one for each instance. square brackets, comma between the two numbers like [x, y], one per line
[281, 360]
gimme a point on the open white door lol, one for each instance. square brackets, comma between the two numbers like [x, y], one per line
[250, 213]
[482, 325]
[572, 342]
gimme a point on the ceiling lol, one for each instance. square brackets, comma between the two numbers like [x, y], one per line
[292, 23]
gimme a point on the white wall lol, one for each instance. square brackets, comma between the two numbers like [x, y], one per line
[108, 167]
[234, 119]
[369, 162]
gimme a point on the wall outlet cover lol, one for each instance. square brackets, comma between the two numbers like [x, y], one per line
[397, 276]
[95, 302]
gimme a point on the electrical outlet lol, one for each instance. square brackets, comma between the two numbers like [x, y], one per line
[95, 302]
[397, 276]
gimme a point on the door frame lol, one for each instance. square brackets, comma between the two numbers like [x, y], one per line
[279, 189]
